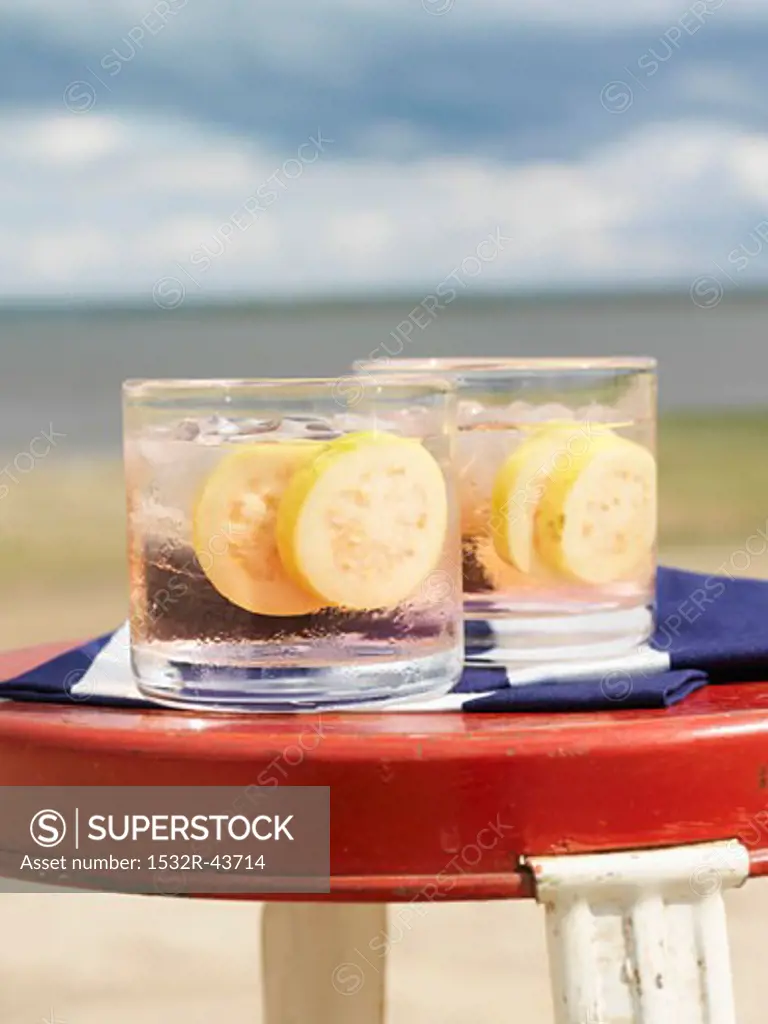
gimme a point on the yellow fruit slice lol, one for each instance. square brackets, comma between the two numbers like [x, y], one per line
[519, 485]
[596, 520]
[364, 523]
[234, 528]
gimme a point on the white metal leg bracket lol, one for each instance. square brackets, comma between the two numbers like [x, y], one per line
[640, 937]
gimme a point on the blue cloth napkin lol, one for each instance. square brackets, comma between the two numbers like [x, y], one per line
[712, 628]
[709, 629]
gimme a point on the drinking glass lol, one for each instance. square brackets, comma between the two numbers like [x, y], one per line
[288, 551]
[557, 494]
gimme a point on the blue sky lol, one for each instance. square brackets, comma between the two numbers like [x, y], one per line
[350, 147]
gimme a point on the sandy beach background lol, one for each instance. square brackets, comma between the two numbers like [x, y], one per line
[93, 959]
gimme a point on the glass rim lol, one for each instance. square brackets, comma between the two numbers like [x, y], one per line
[514, 364]
[151, 387]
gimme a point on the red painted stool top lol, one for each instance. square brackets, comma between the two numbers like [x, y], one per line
[436, 805]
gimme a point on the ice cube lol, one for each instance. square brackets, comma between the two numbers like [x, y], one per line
[635, 403]
[349, 421]
[186, 430]
[322, 433]
[552, 412]
[219, 426]
[254, 426]
[479, 454]
[296, 426]
[519, 413]
[594, 413]
[469, 412]
[162, 449]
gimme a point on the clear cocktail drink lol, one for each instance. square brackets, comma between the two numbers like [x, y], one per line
[286, 551]
[557, 494]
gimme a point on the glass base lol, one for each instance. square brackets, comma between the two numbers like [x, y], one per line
[165, 673]
[526, 639]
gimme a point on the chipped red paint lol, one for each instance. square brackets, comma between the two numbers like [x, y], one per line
[437, 806]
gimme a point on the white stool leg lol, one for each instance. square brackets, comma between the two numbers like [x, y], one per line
[640, 937]
[324, 963]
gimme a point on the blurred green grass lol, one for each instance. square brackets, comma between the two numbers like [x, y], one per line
[713, 477]
[64, 522]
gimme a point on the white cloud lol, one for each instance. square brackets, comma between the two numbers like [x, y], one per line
[55, 256]
[108, 206]
[61, 139]
[362, 234]
[749, 162]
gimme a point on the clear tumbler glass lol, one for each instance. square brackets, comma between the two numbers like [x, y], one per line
[292, 545]
[557, 494]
